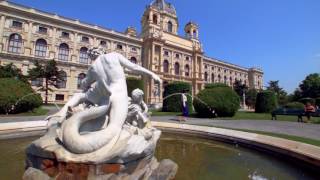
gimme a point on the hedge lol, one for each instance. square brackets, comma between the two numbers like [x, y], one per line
[223, 100]
[134, 83]
[17, 96]
[307, 100]
[214, 85]
[294, 105]
[174, 103]
[266, 102]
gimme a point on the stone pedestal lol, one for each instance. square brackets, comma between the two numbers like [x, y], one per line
[147, 168]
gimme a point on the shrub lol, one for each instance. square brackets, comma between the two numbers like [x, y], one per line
[173, 103]
[223, 100]
[134, 83]
[294, 105]
[307, 100]
[318, 102]
[214, 85]
[266, 102]
[17, 94]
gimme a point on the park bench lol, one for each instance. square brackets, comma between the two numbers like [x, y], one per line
[293, 112]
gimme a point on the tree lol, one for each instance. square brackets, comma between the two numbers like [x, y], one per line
[310, 87]
[49, 73]
[251, 97]
[240, 88]
[11, 71]
[280, 92]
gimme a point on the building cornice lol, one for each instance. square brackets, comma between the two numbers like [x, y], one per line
[64, 20]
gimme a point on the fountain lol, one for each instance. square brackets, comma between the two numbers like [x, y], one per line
[100, 133]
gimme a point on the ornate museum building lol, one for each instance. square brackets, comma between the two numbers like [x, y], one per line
[27, 34]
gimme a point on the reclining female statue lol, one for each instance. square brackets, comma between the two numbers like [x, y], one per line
[105, 87]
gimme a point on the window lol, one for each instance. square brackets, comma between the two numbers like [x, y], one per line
[63, 52]
[212, 78]
[62, 83]
[219, 69]
[178, 56]
[187, 70]
[177, 69]
[166, 66]
[37, 82]
[41, 48]
[119, 47]
[206, 76]
[85, 39]
[187, 58]
[134, 49]
[42, 30]
[219, 78]
[206, 67]
[83, 56]
[194, 33]
[170, 27]
[15, 43]
[225, 79]
[133, 60]
[17, 24]
[65, 35]
[81, 76]
[59, 97]
[103, 43]
[155, 19]
[166, 53]
[231, 81]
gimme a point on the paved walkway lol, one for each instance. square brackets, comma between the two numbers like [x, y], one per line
[280, 127]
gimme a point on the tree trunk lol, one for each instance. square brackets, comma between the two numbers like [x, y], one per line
[46, 98]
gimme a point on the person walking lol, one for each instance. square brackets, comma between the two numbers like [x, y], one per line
[309, 109]
[185, 109]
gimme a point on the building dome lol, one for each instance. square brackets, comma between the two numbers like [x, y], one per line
[164, 6]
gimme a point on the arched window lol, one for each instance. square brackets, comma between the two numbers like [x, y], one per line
[194, 33]
[206, 76]
[81, 76]
[170, 27]
[63, 82]
[177, 69]
[187, 70]
[133, 60]
[37, 82]
[15, 43]
[166, 66]
[83, 56]
[219, 78]
[212, 78]
[41, 48]
[63, 52]
[155, 19]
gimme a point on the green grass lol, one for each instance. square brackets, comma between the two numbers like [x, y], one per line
[40, 111]
[240, 115]
[284, 136]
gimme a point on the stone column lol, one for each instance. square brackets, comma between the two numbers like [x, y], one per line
[2, 23]
[74, 56]
[53, 45]
[28, 47]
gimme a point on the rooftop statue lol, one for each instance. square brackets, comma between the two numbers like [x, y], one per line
[94, 126]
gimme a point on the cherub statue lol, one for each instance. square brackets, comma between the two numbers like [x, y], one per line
[137, 109]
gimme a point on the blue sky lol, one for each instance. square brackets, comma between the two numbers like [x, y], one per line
[281, 36]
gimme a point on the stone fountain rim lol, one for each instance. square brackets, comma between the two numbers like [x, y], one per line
[307, 153]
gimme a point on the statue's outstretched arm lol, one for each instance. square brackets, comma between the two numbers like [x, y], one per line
[136, 68]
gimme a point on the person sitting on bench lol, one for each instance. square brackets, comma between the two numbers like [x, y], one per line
[309, 109]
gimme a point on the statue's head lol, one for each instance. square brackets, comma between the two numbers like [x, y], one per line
[137, 95]
[94, 52]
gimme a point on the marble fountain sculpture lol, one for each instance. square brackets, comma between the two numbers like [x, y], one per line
[100, 133]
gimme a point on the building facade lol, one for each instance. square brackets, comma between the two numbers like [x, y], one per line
[28, 35]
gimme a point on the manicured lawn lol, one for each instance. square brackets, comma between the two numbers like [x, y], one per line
[265, 116]
[284, 136]
[40, 111]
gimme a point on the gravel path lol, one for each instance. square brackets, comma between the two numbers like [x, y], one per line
[280, 127]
